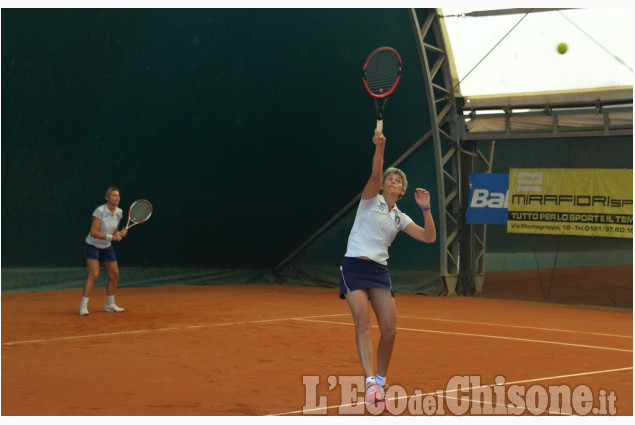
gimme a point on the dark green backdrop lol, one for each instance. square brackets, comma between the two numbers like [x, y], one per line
[246, 128]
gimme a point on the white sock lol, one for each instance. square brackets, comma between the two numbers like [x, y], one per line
[110, 299]
[381, 380]
[370, 381]
[84, 301]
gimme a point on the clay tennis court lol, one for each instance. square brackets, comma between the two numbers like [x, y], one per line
[245, 350]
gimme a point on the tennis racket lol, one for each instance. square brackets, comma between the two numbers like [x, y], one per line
[140, 211]
[381, 74]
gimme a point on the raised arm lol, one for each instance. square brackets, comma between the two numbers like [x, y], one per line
[428, 233]
[373, 186]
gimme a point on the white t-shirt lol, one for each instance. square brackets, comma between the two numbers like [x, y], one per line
[109, 224]
[374, 229]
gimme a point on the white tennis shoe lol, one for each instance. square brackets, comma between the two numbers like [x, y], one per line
[113, 308]
[83, 310]
[374, 393]
[376, 396]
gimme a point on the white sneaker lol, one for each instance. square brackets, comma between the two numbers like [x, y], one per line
[376, 396]
[374, 393]
[83, 310]
[113, 308]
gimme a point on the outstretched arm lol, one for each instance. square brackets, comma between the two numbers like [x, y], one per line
[428, 233]
[373, 186]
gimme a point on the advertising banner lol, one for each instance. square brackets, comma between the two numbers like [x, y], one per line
[488, 198]
[583, 202]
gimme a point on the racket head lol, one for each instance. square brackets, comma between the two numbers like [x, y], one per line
[382, 72]
[140, 211]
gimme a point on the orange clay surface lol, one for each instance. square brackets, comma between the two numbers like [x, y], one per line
[247, 349]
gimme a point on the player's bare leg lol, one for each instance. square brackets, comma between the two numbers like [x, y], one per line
[91, 279]
[386, 311]
[360, 309]
[112, 268]
[93, 274]
[358, 302]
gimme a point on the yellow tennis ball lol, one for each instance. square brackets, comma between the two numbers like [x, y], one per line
[562, 48]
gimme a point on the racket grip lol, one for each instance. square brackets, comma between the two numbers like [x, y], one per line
[380, 126]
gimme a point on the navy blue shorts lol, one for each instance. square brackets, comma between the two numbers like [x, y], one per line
[103, 255]
[356, 273]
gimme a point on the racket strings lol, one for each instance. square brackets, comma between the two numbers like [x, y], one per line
[141, 211]
[382, 72]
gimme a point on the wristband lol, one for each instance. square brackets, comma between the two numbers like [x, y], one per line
[109, 237]
[426, 208]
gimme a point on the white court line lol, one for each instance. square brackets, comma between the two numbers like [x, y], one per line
[482, 336]
[436, 394]
[517, 326]
[140, 331]
[308, 319]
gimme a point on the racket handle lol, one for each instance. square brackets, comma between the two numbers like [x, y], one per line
[380, 126]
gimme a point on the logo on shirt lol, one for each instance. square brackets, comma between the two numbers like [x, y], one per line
[397, 219]
[382, 207]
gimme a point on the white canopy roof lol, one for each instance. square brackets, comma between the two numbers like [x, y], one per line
[506, 55]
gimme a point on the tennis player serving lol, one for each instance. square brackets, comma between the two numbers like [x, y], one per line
[364, 277]
[98, 250]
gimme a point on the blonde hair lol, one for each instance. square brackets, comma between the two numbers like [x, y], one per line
[393, 170]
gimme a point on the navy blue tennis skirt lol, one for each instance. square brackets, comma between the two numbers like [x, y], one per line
[356, 273]
[103, 255]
